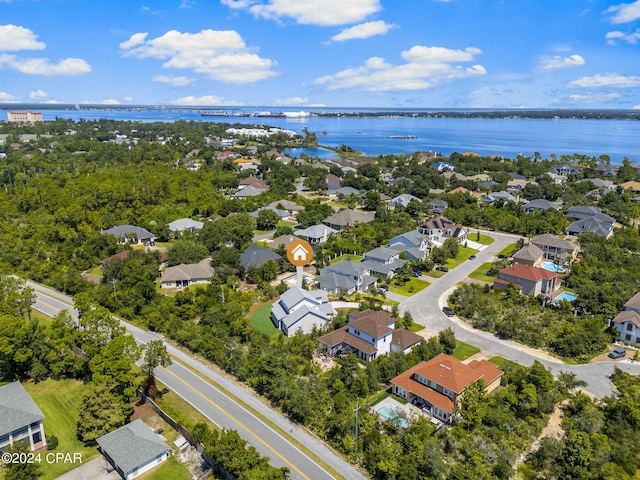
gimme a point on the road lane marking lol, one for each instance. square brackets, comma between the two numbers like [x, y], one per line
[253, 434]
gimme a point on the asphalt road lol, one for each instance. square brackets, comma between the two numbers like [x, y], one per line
[426, 309]
[222, 409]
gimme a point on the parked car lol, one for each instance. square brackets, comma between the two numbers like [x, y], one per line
[448, 311]
[417, 273]
[472, 257]
[440, 268]
[384, 288]
[502, 256]
[618, 353]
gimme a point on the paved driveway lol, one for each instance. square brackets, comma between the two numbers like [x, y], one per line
[95, 469]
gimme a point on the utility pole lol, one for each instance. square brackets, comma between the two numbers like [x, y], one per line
[357, 425]
[115, 296]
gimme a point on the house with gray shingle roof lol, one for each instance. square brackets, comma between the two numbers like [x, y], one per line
[130, 234]
[316, 233]
[403, 200]
[185, 225]
[282, 214]
[246, 192]
[300, 310]
[530, 255]
[344, 191]
[383, 261]
[555, 248]
[539, 205]
[627, 322]
[255, 256]
[134, 449]
[348, 218]
[20, 418]
[346, 276]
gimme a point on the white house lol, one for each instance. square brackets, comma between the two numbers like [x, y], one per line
[133, 449]
[627, 322]
[20, 418]
[300, 310]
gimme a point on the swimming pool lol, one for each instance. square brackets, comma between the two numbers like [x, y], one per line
[552, 267]
[387, 413]
[569, 297]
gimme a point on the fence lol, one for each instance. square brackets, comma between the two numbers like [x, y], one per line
[186, 434]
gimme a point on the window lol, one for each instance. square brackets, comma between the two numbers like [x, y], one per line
[629, 326]
[627, 337]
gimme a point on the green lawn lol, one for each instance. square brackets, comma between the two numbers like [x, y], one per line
[508, 250]
[463, 255]
[60, 402]
[501, 362]
[346, 256]
[464, 350]
[415, 327]
[97, 272]
[170, 470]
[435, 274]
[480, 273]
[484, 239]
[179, 409]
[260, 319]
[412, 286]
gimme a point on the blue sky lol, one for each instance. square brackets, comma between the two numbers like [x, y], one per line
[334, 53]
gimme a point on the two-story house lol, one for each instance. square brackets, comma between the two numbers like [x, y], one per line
[438, 384]
[529, 280]
[368, 335]
[440, 229]
[627, 322]
[555, 248]
[383, 261]
[413, 243]
[300, 310]
[346, 276]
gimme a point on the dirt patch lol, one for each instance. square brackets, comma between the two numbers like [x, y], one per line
[604, 357]
[148, 416]
[325, 362]
[552, 429]
[255, 306]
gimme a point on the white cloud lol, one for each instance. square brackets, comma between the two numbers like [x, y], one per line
[594, 97]
[220, 54]
[128, 99]
[42, 66]
[636, 107]
[14, 37]
[110, 101]
[607, 80]
[310, 12]
[556, 62]
[52, 102]
[37, 94]
[291, 101]
[204, 101]
[7, 97]
[174, 81]
[624, 12]
[631, 38]
[426, 68]
[364, 30]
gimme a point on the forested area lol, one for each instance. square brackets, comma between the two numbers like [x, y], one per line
[58, 193]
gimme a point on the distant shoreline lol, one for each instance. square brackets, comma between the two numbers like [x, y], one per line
[231, 112]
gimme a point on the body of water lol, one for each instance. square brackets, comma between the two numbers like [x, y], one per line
[374, 135]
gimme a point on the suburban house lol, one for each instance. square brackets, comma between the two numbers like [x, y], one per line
[300, 310]
[344, 192]
[555, 248]
[503, 196]
[441, 166]
[348, 218]
[631, 185]
[282, 241]
[539, 205]
[254, 182]
[438, 206]
[134, 449]
[368, 335]
[247, 192]
[530, 255]
[565, 170]
[589, 219]
[316, 233]
[292, 207]
[529, 280]
[439, 384]
[333, 182]
[607, 170]
[440, 229]
[346, 276]
[403, 200]
[255, 256]
[282, 214]
[21, 419]
[184, 275]
[130, 234]
[383, 261]
[413, 243]
[627, 322]
[185, 225]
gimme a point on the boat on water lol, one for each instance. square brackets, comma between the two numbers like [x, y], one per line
[403, 136]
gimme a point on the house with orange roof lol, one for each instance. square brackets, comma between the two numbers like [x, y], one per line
[438, 385]
[631, 185]
[529, 280]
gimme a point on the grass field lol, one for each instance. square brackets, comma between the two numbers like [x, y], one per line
[60, 403]
[260, 319]
[415, 327]
[508, 250]
[412, 286]
[484, 239]
[463, 255]
[501, 362]
[346, 256]
[480, 273]
[464, 350]
[172, 469]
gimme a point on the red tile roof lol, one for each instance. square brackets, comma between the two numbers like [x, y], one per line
[528, 273]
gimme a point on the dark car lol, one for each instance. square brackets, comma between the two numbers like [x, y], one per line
[440, 268]
[472, 257]
[618, 353]
[417, 273]
[448, 311]
[384, 288]
[502, 256]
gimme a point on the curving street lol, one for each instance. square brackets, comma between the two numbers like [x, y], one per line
[426, 309]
